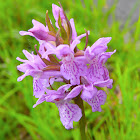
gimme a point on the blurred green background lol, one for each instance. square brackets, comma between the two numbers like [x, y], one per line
[120, 118]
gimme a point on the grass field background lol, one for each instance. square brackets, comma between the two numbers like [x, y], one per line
[120, 118]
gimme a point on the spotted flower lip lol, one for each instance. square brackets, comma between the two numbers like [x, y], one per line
[97, 101]
[80, 73]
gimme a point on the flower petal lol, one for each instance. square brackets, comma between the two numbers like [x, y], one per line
[42, 34]
[105, 73]
[74, 92]
[81, 36]
[68, 113]
[68, 69]
[48, 74]
[101, 95]
[81, 63]
[21, 60]
[103, 57]
[54, 96]
[74, 33]
[105, 83]
[22, 77]
[33, 73]
[73, 44]
[51, 49]
[25, 33]
[63, 88]
[88, 54]
[38, 88]
[94, 72]
[63, 50]
[56, 9]
[39, 31]
[24, 67]
[28, 55]
[94, 104]
[40, 100]
[97, 100]
[100, 45]
[38, 25]
[88, 92]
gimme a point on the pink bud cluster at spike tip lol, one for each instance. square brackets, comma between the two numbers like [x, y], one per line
[59, 60]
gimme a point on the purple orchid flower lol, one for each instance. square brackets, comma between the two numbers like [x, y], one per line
[34, 67]
[97, 57]
[68, 112]
[39, 31]
[71, 68]
[59, 60]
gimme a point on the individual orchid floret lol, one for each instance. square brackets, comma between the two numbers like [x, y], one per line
[97, 57]
[39, 31]
[71, 68]
[34, 67]
[68, 112]
[97, 48]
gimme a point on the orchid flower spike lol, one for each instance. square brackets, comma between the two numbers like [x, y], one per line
[79, 72]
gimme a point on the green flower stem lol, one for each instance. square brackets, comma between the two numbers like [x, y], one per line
[82, 122]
